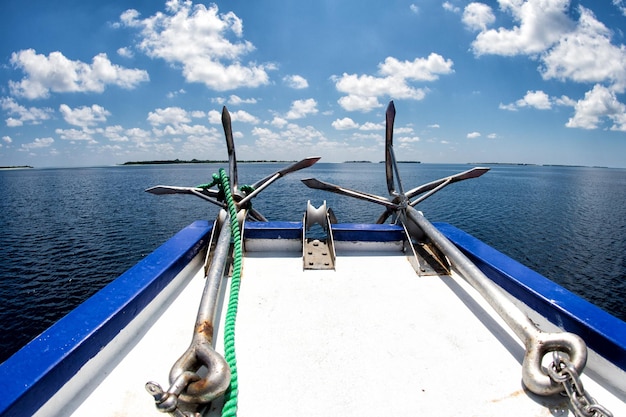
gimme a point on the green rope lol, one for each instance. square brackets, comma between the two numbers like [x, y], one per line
[230, 397]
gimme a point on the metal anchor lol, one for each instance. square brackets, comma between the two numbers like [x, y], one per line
[189, 388]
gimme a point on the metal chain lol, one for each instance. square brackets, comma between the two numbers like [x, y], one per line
[562, 371]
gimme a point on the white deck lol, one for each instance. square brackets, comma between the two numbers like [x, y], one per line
[371, 338]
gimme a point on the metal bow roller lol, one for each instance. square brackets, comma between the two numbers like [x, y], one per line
[201, 374]
[400, 205]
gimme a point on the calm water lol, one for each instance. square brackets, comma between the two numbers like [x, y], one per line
[66, 233]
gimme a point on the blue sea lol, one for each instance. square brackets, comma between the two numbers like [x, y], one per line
[66, 233]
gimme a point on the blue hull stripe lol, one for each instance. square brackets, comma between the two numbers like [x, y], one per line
[601, 331]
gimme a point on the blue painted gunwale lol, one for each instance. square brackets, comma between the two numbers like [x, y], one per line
[34, 374]
[367, 232]
[604, 333]
[342, 231]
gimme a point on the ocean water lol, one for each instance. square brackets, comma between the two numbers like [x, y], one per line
[66, 233]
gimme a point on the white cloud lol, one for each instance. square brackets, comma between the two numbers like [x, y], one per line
[541, 23]
[355, 102]
[598, 103]
[173, 94]
[169, 115]
[477, 16]
[84, 116]
[38, 144]
[243, 117]
[564, 101]
[55, 73]
[364, 90]
[32, 115]
[586, 55]
[537, 99]
[345, 124]
[296, 81]
[420, 69]
[451, 7]
[198, 38]
[125, 52]
[182, 129]
[473, 135]
[236, 100]
[414, 8]
[140, 137]
[84, 134]
[302, 108]
[434, 126]
[292, 139]
[373, 126]
[408, 139]
[215, 117]
[7, 139]
[114, 133]
[492, 136]
[279, 122]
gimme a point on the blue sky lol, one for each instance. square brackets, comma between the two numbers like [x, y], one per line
[99, 83]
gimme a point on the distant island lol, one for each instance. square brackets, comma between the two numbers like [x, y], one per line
[403, 162]
[17, 167]
[533, 165]
[501, 163]
[196, 161]
[357, 162]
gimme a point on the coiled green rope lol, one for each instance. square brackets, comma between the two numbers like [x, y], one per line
[230, 397]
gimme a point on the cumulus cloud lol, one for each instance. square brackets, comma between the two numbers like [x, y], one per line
[37, 144]
[243, 117]
[206, 44]
[451, 7]
[473, 135]
[536, 99]
[114, 133]
[302, 108]
[236, 100]
[587, 55]
[600, 102]
[477, 16]
[345, 124]
[58, 74]
[84, 116]
[84, 134]
[296, 81]
[169, 115]
[363, 91]
[374, 126]
[125, 52]
[291, 139]
[21, 114]
[215, 117]
[541, 23]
